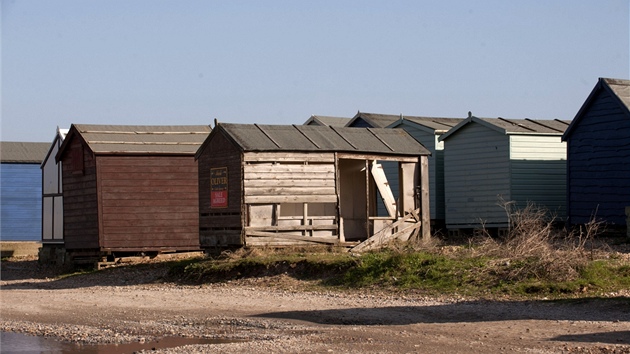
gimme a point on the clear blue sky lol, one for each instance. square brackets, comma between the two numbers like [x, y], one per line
[278, 62]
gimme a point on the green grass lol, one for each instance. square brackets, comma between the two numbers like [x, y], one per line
[427, 272]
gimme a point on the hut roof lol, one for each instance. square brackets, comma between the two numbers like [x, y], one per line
[515, 126]
[327, 120]
[139, 139]
[22, 152]
[374, 119]
[615, 87]
[436, 125]
[314, 138]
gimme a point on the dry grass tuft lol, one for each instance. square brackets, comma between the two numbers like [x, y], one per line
[536, 248]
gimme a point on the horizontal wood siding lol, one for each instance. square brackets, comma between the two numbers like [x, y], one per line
[476, 170]
[148, 202]
[80, 203]
[541, 182]
[276, 186]
[268, 183]
[220, 226]
[599, 163]
[537, 147]
[20, 202]
[538, 172]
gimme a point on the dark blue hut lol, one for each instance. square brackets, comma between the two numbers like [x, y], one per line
[598, 156]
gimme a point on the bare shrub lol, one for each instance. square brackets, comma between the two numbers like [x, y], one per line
[535, 247]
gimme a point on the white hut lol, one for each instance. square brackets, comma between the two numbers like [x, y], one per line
[52, 193]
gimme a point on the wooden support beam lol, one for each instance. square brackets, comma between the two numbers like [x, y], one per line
[291, 228]
[424, 198]
[279, 235]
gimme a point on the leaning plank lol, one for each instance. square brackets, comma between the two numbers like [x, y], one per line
[384, 236]
[383, 187]
[381, 239]
[320, 239]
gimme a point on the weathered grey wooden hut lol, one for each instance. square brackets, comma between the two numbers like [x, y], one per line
[427, 131]
[21, 190]
[130, 189]
[296, 184]
[327, 120]
[488, 161]
[598, 155]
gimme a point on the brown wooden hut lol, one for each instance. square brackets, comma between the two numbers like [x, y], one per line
[297, 184]
[130, 189]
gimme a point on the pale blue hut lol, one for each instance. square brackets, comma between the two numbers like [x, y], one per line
[489, 161]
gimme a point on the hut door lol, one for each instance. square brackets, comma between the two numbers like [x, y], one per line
[353, 192]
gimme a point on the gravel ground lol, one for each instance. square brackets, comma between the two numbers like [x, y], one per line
[274, 315]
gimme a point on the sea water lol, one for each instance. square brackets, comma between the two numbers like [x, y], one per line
[22, 343]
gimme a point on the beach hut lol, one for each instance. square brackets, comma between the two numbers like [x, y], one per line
[278, 185]
[427, 131]
[598, 156]
[52, 193]
[21, 190]
[130, 189]
[492, 161]
[327, 120]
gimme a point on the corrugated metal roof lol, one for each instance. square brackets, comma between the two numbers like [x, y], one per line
[515, 126]
[143, 139]
[305, 138]
[327, 120]
[22, 152]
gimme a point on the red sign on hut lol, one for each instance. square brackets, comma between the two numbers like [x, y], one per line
[218, 187]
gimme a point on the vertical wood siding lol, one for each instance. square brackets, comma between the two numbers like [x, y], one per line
[80, 204]
[599, 163]
[148, 202]
[20, 202]
[436, 169]
[224, 226]
[476, 170]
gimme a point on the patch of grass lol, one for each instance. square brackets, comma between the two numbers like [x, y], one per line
[431, 272]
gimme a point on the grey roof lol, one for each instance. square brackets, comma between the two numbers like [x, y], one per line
[140, 139]
[621, 88]
[314, 138]
[374, 119]
[515, 126]
[22, 152]
[327, 120]
[616, 87]
[437, 125]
